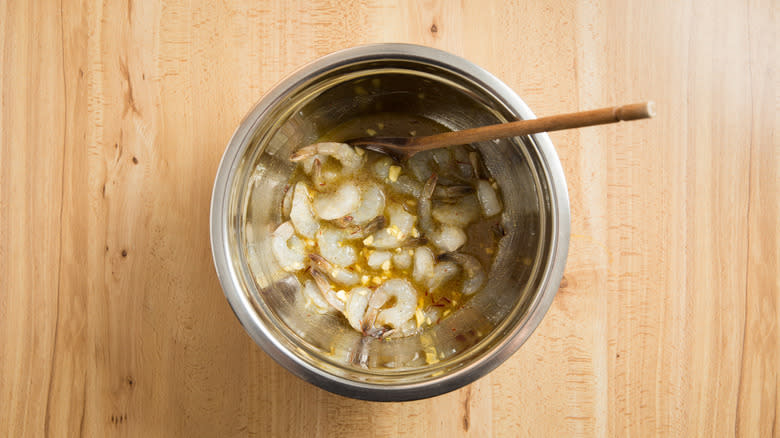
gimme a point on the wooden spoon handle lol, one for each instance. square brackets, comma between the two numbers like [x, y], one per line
[532, 126]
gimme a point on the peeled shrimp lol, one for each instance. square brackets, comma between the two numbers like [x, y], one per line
[329, 241]
[420, 166]
[287, 248]
[381, 167]
[301, 214]
[424, 262]
[442, 273]
[402, 260]
[287, 202]
[395, 235]
[378, 258]
[429, 273]
[406, 185]
[314, 297]
[472, 269]
[460, 214]
[337, 274]
[403, 309]
[344, 200]
[488, 198]
[371, 205]
[350, 159]
[442, 158]
[330, 295]
[355, 310]
[462, 162]
[447, 238]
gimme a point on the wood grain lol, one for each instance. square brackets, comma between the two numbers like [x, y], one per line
[114, 118]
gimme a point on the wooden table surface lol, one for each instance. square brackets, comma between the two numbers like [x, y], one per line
[114, 119]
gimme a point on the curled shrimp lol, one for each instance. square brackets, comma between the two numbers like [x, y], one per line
[332, 247]
[488, 198]
[301, 212]
[287, 248]
[372, 204]
[430, 274]
[339, 203]
[287, 201]
[350, 159]
[395, 316]
[447, 237]
[474, 274]
[398, 233]
[330, 295]
[402, 260]
[459, 214]
[314, 297]
[355, 309]
[406, 185]
[378, 258]
[337, 274]
[443, 272]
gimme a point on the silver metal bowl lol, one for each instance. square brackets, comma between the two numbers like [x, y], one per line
[390, 80]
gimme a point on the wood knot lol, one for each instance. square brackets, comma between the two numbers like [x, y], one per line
[135, 160]
[434, 29]
[124, 253]
[564, 283]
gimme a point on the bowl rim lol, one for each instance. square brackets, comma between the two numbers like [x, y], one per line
[245, 310]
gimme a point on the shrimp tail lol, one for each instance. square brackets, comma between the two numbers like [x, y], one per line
[325, 288]
[303, 153]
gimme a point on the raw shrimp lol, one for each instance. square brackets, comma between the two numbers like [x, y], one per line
[381, 167]
[337, 274]
[442, 272]
[462, 162]
[326, 289]
[287, 201]
[448, 193]
[378, 258]
[287, 248]
[372, 204]
[406, 185]
[301, 214]
[420, 166]
[488, 198]
[314, 297]
[394, 236]
[460, 214]
[472, 270]
[447, 238]
[350, 159]
[429, 273]
[329, 241]
[344, 200]
[403, 309]
[443, 159]
[402, 259]
[424, 262]
[355, 309]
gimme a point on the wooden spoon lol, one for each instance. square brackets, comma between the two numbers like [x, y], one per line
[402, 148]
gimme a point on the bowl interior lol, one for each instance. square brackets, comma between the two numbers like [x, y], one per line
[404, 96]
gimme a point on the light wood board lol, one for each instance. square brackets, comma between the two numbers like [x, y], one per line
[114, 118]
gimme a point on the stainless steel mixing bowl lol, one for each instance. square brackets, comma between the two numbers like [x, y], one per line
[388, 79]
